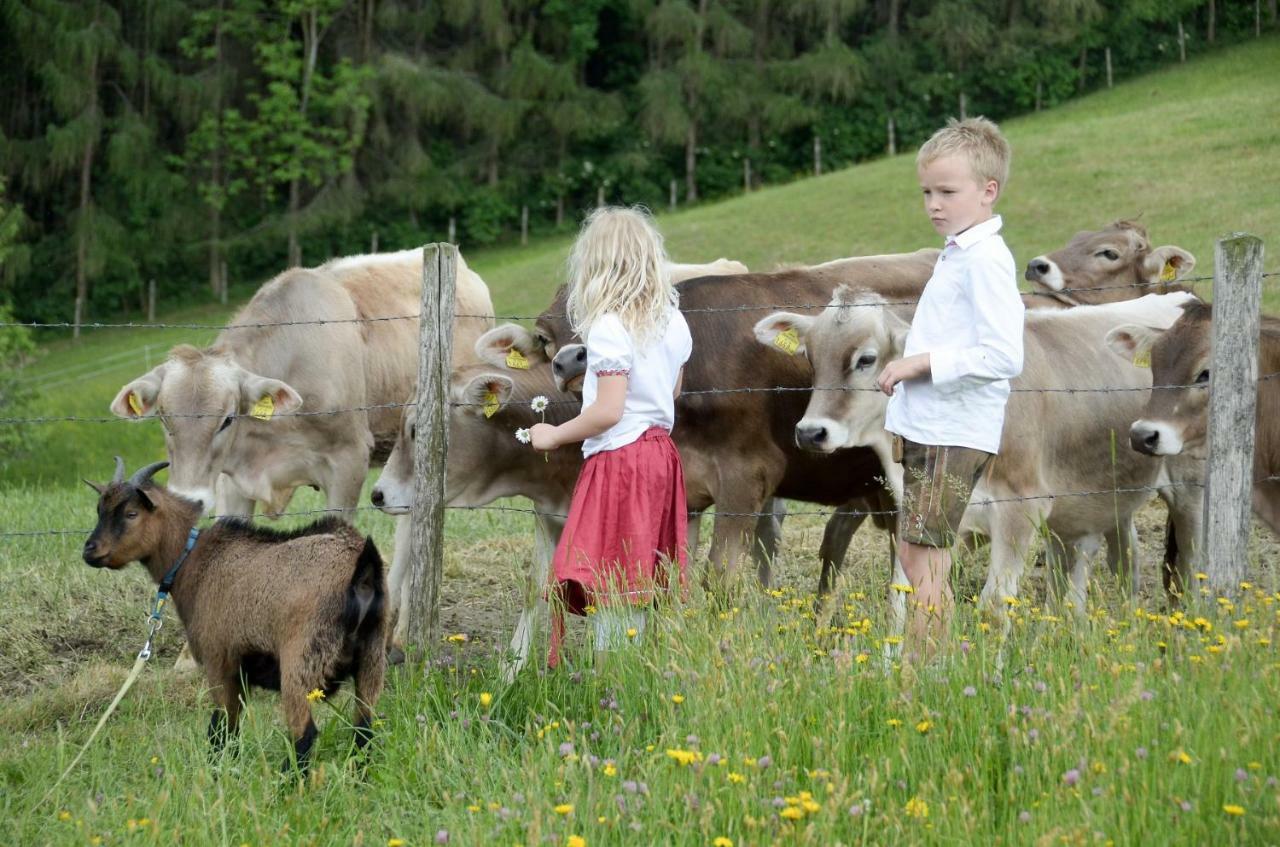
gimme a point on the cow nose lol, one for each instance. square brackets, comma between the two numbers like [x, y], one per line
[1037, 267]
[811, 436]
[377, 497]
[1144, 439]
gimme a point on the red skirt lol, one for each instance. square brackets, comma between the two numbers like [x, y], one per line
[627, 528]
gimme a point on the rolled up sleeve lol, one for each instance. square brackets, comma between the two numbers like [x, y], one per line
[609, 348]
[999, 314]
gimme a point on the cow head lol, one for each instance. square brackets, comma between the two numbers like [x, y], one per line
[206, 403]
[1115, 263]
[1176, 417]
[848, 344]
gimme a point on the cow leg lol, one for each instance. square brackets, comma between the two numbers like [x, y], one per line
[399, 597]
[897, 604]
[835, 543]
[1068, 566]
[695, 533]
[1013, 527]
[546, 535]
[1122, 555]
[768, 534]
[1184, 530]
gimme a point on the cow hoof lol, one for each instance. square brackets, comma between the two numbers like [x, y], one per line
[395, 656]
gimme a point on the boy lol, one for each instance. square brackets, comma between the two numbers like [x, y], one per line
[948, 392]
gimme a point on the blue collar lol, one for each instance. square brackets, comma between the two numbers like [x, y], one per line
[166, 584]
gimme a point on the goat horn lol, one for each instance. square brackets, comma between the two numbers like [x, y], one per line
[143, 475]
[119, 477]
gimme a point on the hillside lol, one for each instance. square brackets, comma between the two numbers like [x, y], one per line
[1190, 151]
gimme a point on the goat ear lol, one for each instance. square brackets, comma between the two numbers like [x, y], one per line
[1133, 342]
[137, 400]
[147, 502]
[95, 486]
[486, 394]
[261, 397]
[784, 330]
[1167, 264]
[495, 347]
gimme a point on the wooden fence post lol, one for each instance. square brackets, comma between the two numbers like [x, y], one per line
[431, 447]
[1107, 53]
[671, 202]
[1233, 397]
[151, 301]
[817, 155]
[524, 225]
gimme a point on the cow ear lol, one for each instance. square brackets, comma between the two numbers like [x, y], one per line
[784, 331]
[1167, 264]
[1133, 342]
[495, 347]
[898, 329]
[262, 397]
[137, 400]
[485, 395]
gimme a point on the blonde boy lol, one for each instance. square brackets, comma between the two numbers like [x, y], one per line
[949, 390]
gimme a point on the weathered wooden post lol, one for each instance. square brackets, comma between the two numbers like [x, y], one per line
[1107, 54]
[431, 447]
[746, 174]
[671, 202]
[817, 155]
[1233, 397]
[524, 225]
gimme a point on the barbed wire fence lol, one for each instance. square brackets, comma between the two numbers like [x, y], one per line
[1238, 264]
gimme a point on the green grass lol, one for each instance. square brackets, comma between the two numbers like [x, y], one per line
[1191, 149]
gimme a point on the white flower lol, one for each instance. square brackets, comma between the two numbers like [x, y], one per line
[522, 435]
[539, 404]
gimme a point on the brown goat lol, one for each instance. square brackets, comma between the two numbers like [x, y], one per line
[289, 611]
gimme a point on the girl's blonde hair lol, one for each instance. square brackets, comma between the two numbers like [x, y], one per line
[618, 265]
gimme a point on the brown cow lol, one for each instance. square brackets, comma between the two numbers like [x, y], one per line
[736, 439]
[1175, 420]
[1113, 263]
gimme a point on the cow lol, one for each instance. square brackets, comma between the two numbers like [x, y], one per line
[1055, 442]
[1110, 264]
[254, 406]
[735, 416]
[1175, 419]
[485, 462]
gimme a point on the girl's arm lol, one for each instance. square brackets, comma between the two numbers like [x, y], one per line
[611, 396]
[679, 384]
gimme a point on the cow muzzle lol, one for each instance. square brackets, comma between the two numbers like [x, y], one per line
[816, 436]
[1154, 438]
[1042, 269]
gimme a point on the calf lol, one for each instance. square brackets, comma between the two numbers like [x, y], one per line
[1175, 420]
[1055, 442]
[294, 611]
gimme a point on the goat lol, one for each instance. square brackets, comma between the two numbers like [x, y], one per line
[294, 612]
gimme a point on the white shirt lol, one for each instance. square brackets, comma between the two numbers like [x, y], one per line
[969, 320]
[651, 377]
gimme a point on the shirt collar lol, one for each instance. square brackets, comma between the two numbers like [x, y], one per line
[976, 233]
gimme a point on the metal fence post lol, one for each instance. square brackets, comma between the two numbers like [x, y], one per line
[435, 349]
[1233, 396]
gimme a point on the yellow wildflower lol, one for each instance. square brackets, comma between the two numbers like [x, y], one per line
[736, 778]
[64, 815]
[576, 841]
[809, 805]
[1243, 623]
[923, 727]
[677, 698]
[564, 809]
[473, 808]
[1233, 809]
[862, 658]
[457, 638]
[721, 841]
[916, 808]
[894, 722]
[632, 632]
[610, 769]
[1181, 756]
[395, 842]
[685, 757]
[315, 695]
[902, 588]
[792, 813]
[485, 699]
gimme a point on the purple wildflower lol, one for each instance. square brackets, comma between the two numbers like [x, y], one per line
[970, 691]
[442, 836]
[1071, 777]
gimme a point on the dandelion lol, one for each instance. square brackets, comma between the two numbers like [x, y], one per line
[564, 809]
[576, 841]
[1233, 809]
[736, 778]
[64, 815]
[457, 638]
[395, 842]
[721, 841]
[315, 695]
[685, 757]
[485, 699]
[1141, 752]
[1181, 756]
[677, 698]
[522, 435]
[916, 808]
[792, 813]
[894, 722]
[632, 632]
[902, 588]
[923, 727]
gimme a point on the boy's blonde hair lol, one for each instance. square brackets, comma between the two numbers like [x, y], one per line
[976, 139]
[618, 265]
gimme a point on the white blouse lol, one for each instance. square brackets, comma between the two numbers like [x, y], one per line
[969, 320]
[652, 373]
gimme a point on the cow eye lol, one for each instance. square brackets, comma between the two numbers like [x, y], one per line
[1108, 254]
[1202, 377]
[865, 361]
[226, 422]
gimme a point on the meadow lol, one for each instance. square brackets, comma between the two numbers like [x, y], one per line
[764, 722]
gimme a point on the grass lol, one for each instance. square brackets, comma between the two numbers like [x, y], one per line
[1191, 149]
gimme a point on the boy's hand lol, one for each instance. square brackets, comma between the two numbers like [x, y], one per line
[912, 367]
[542, 436]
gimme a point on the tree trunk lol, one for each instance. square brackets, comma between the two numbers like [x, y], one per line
[691, 164]
[1039, 94]
[1084, 65]
[895, 14]
[892, 149]
[216, 280]
[86, 197]
[963, 106]
[1182, 43]
[311, 50]
[1107, 54]
[817, 155]
[491, 163]
[1213, 21]
[366, 35]
[1273, 8]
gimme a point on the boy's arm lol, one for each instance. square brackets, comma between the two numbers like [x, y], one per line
[998, 319]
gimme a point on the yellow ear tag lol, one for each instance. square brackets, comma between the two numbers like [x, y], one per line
[787, 341]
[134, 404]
[1143, 359]
[516, 359]
[1169, 273]
[264, 408]
[491, 405]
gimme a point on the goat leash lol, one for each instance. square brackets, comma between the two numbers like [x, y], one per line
[155, 621]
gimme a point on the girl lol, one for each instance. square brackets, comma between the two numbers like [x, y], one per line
[627, 520]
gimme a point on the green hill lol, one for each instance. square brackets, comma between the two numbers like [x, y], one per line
[1191, 151]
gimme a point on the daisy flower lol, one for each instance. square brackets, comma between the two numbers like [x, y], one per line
[522, 435]
[539, 404]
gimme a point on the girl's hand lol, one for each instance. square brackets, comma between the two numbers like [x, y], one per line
[912, 367]
[543, 436]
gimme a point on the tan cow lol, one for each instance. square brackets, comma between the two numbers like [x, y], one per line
[1175, 420]
[486, 462]
[1113, 263]
[1054, 442]
[336, 339]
